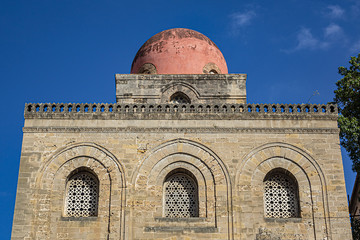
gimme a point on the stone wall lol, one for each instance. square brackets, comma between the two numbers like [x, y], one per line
[228, 150]
[200, 88]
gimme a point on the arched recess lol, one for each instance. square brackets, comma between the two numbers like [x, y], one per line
[50, 189]
[249, 178]
[210, 172]
[179, 87]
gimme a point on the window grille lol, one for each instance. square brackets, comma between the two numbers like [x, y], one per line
[82, 195]
[180, 197]
[179, 98]
[281, 197]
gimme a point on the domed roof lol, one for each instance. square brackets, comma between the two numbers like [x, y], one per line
[179, 51]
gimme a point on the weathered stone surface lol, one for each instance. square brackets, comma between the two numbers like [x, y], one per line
[132, 148]
[200, 88]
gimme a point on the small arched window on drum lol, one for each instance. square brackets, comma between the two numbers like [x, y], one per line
[211, 68]
[82, 192]
[147, 68]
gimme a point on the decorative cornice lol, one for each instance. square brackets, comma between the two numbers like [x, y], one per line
[178, 130]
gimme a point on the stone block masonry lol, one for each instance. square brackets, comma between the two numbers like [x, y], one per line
[180, 156]
[228, 149]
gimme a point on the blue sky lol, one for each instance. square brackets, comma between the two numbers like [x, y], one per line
[69, 51]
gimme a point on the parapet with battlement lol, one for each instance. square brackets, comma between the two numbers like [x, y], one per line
[178, 111]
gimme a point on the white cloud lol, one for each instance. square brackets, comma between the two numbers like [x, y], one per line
[307, 41]
[335, 11]
[241, 19]
[333, 31]
[333, 34]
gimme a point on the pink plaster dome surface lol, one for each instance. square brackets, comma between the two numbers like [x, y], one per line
[179, 51]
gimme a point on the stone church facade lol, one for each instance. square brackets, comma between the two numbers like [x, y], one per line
[180, 155]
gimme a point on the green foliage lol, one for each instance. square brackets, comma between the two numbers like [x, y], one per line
[347, 96]
[355, 228]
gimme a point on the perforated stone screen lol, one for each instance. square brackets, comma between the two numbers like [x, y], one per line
[180, 197]
[179, 98]
[82, 196]
[281, 197]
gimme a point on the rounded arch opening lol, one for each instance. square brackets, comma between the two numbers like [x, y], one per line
[180, 195]
[81, 194]
[211, 68]
[147, 68]
[281, 195]
[179, 98]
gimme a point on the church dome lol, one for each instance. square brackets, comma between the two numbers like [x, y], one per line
[179, 51]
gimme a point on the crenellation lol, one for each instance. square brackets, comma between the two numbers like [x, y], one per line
[177, 111]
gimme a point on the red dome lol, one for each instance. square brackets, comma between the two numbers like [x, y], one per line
[179, 51]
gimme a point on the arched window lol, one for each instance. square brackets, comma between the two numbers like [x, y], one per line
[82, 192]
[211, 68]
[179, 98]
[181, 196]
[281, 195]
[147, 68]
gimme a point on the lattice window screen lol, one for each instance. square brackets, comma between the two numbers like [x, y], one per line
[82, 196]
[281, 197]
[179, 98]
[180, 197]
